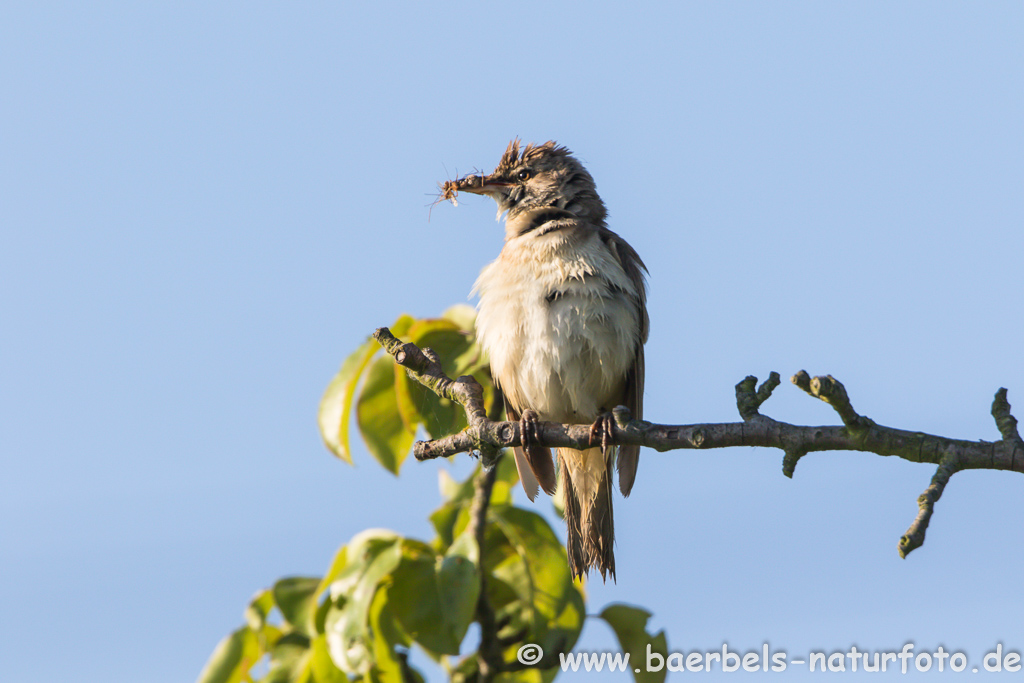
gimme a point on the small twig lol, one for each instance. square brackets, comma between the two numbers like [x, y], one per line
[748, 401]
[1005, 422]
[831, 391]
[465, 391]
[790, 460]
[914, 538]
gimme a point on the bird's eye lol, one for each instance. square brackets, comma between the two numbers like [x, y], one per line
[523, 175]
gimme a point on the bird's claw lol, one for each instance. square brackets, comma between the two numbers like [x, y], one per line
[602, 431]
[529, 430]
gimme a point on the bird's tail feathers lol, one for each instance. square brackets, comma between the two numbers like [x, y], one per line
[588, 513]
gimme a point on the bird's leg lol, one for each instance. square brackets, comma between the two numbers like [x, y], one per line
[529, 430]
[603, 430]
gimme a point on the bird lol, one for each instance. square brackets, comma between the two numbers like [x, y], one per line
[562, 315]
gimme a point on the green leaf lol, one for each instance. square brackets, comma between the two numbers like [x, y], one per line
[232, 658]
[434, 596]
[630, 626]
[362, 550]
[320, 664]
[258, 609]
[458, 584]
[536, 546]
[338, 563]
[443, 519]
[426, 331]
[372, 556]
[295, 596]
[474, 358]
[457, 491]
[414, 600]
[336, 405]
[288, 659]
[320, 617]
[388, 635]
[379, 421]
[268, 638]
[407, 397]
[448, 486]
[533, 564]
[463, 315]
[558, 500]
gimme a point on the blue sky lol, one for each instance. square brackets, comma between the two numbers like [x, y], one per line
[207, 206]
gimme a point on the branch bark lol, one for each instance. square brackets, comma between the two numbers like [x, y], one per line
[857, 433]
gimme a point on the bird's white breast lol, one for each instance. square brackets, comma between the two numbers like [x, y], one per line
[559, 319]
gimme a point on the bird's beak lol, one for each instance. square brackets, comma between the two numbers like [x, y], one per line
[477, 184]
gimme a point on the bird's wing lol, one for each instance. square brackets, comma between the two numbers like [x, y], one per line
[629, 456]
[526, 475]
[633, 266]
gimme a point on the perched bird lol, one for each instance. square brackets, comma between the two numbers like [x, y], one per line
[563, 316]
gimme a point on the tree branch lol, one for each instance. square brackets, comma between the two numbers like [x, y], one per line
[489, 653]
[857, 433]
[490, 658]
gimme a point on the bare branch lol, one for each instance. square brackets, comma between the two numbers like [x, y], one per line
[857, 433]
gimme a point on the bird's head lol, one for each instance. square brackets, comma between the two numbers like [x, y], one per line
[537, 177]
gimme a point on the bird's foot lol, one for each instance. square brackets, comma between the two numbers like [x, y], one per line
[529, 430]
[602, 431]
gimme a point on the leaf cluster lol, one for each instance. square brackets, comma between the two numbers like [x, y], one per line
[384, 593]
